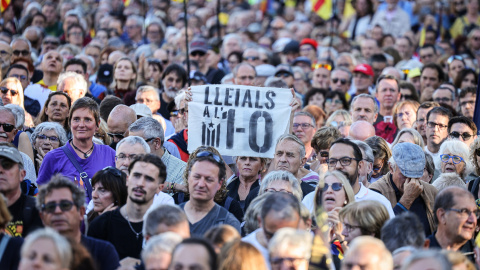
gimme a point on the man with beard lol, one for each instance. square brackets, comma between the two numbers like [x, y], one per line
[173, 79]
[345, 156]
[123, 226]
[404, 189]
[5, 56]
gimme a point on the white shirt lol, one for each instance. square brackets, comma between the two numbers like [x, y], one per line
[308, 202]
[252, 239]
[37, 92]
[365, 194]
[435, 156]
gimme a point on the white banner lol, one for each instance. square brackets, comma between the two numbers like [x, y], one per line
[238, 120]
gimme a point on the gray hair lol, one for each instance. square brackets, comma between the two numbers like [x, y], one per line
[61, 245]
[417, 138]
[366, 149]
[45, 126]
[459, 148]
[22, 39]
[8, 110]
[302, 73]
[138, 20]
[349, 55]
[151, 128]
[367, 243]
[92, 61]
[170, 215]
[79, 80]
[19, 114]
[145, 49]
[163, 243]
[348, 118]
[292, 239]
[350, 75]
[150, 20]
[232, 36]
[403, 230]
[448, 179]
[179, 97]
[59, 181]
[403, 249]
[435, 255]
[302, 113]
[291, 137]
[273, 81]
[132, 140]
[37, 30]
[365, 96]
[253, 212]
[148, 88]
[282, 176]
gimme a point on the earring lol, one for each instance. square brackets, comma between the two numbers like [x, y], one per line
[345, 203]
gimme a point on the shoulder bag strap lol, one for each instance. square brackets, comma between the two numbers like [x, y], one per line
[79, 168]
[3, 244]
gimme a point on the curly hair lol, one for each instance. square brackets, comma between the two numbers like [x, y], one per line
[473, 156]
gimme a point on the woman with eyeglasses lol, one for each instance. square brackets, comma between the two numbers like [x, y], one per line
[56, 110]
[335, 101]
[247, 178]
[46, 137]
[454, 158]
[80, 158]
[342, 120]
[455, 64]
[109, 191]
[281, 181]
[405, 114]
[362, 218]
[382, 153]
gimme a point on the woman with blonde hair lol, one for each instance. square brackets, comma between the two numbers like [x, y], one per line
[405, 114]
[409, 135]
[239, 255]
[342, 120]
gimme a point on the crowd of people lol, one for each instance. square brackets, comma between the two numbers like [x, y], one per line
[379, 168]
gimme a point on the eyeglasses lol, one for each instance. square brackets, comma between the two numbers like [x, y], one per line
[434, 125]
[150, 139]
[50, 207]
[302, 125]
[442, 100]
[3, 53]
[277, 190]
[250, 58]
[334, 186]
[283, 75]
[20, 77]
[199, 53]
[455, 159]
[23, 52]
[377, 168]
[7, 127]
[409, 97]
[342, 81]
[350, 228]
[465, 103]
[465, 136]
[454, 57]
[5, 90]
[344, 161]
[323, 154]
[50, 138]
[292, 263]
[174, 113]
[336, 101]
[338, 124]
[210, 154]
[114, 171]
[123, 157]
[116, 135]
[407, 114]
[51, 42]
[325, 66]
[77, 34]
[465, 212]
[7, 164]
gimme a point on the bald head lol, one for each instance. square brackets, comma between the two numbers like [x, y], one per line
[120, 118]
[361, 130]
[392, 71]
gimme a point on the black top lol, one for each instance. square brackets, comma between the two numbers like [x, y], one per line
[25, 217]
[212, 219]
[11, 255]
[234, 208]
[103, 253]
[214, 76]
[164, 108]
[232, 189]
[466, 249]
[114, 228]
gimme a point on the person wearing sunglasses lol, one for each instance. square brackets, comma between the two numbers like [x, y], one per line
[61, 206]
[285, 72]
[321, 141]
[445, 94]
[462, 128]
[199, 52]
[382, 153]
[455, 64]
[335, 101]
[11, 91]
[109, 191]
[341, 80]
[454, 158]
[46, 137]
[119, 119]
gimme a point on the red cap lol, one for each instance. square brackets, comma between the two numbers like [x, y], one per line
[309, 41]
[365, 69]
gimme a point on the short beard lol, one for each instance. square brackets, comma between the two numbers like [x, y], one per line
[352, 179]
[171, 92]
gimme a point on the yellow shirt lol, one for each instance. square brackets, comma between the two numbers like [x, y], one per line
[51, 87]
[459, 25]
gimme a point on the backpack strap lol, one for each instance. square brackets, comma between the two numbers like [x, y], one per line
[228, 202]
[83, 174]
[3, 244]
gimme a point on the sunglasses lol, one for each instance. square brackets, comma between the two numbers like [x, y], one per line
[7, 164]
[23, 53]
[116, 135]
[323, 154]
[335, 187]
[465, 136]
[50, 207]
[251, 58]
[112, 170]
[210, 154]
[342, 81]
[336, 101]
[51, 42]
[174, 113]
[283, 75]
[408, 97]
[325, 66]
[5, 90]
[7, 127]
[197, 53]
